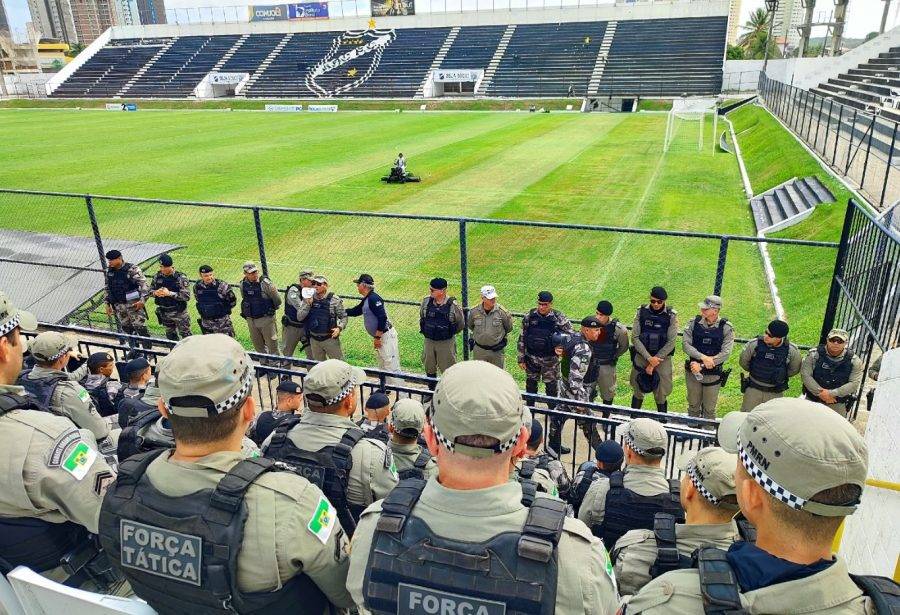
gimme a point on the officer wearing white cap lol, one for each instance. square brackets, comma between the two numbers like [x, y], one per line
[329, 448]
[832, 373]
[489, 325]
[52, 473]
[800, 471]
[204, 525]
[709, 502]
[770, 360]
[629, 500]
[707, 341]
[324, 318]
[405, 426]
[259, 302]
[464, 539]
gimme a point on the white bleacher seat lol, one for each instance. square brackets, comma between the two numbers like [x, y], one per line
[9, 602]
[41, 596]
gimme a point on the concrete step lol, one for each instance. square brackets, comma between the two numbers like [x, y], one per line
[822, 193]
[788, 203]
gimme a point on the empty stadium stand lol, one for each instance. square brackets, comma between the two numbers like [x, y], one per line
[181, 67]
[110, 69]
[872, 86]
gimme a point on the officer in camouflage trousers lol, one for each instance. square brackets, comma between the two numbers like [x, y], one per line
[215, 300]
[172, 291]
[536, 355]
[325, 318]
[575, 353]
[126, 290]
[548, 472]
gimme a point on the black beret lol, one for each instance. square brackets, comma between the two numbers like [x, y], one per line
[113, 254]
[605, 308]
[165, 260]
[136, 365]
[545, 296]
[377, 400]
[648, 383]
[658, 292]
[590, 322]
[99, 358]
[365, 278]
[206, 269]
[537, 433]
[289, 386]
[438, 283]
[778, 328]
[609, 451]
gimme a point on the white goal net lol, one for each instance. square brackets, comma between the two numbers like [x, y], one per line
[689, 121]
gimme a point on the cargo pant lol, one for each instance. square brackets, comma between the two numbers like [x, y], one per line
[754, 397]
[293, 337]
[264, 334]
[133, 320]
[664, 389]
[702, 396]
[438, 355]
[494, 357]
[329, 348]
[177, 323]
[217, 325]
[389, 354]
[605, 386]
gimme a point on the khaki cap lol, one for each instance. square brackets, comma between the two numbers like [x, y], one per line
[49, 346]
[321, 279]
[711, 470]
[205, 375]
[711, 302]
[306, 273]
[794, 449]
[646, 437]
[477, 398]
[250, 267]
[408, 415]
[330, 381]
[12, 317]
[838, 333]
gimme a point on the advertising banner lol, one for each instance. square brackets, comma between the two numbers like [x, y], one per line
[308, 10]
[270, 12]
[390, 8]
[322, 108]
[462, 75]
[226, 78]
[121, 107]
[284, 108]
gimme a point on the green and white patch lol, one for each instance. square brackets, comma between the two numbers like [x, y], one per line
[79, 459]
[323, 520]
[83, 395]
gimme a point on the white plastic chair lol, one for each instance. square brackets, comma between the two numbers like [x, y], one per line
[9, 602]
[41, 596]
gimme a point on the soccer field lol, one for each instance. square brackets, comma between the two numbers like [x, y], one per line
[598, 169]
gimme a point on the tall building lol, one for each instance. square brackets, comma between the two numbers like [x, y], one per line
[4, 20]
[734, 22]
[53, 19]
[92, 18]
[790, 15]
[151, 11]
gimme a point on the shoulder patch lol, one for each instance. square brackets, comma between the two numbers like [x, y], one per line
[72, 454]
[83, 395]
[60, 445]
[323, 520]
[379, 303]
[102, 482]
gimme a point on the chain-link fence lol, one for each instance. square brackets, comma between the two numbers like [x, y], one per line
[857, 144]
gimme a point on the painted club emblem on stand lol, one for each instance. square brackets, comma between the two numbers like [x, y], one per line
[328, 77]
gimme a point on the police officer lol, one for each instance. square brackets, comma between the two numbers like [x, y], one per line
[288, 401]
[542, 467]
[172, 291]
[417, 547]
[405, 425]
[259, 301]
[609, 456]
[98, 382]
[128, 401]
[294, 331]
[325, 318]
[653, 338]
[800, 471]
[126, 291]
[770, 360]
[440, 319]
[215, 300]
[611, 344]
[536, 354]
[629, 500]
[832, 373]
[53, 476]
[377, 324]
[375, 416]
[575, 352]
[275, 531]
[709, 502]
[707, 341]
[328, 447]
[489, 326]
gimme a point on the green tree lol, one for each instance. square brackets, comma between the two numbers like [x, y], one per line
[75, 49]
[735, 53]
[756, 38]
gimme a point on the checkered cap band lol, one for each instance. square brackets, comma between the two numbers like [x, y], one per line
[630, 442]
[234, 399]
[764, 481]
[450, 446]
[9, 325]
[694, 475]
[346, 389]
[58, 355]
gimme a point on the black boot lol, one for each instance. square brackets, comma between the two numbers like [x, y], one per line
[171, 335]
[144, 332]
[636, 403]
[431, 385]
[663, 407]
[607, 403]
[554, 438]
[551, 389]
[531, 386]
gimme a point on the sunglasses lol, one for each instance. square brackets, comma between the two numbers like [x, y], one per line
[836, 340]
[318, 283]
[656, 301]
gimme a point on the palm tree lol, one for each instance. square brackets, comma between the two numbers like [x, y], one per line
[757, 25]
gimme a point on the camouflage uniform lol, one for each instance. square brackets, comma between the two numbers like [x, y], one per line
[543, 368]
[177, 322]
[576, 360]
[549, 474]
[223, 324]
[132, 319]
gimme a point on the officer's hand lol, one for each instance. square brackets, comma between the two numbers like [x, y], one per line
[138, 304]
[376, 342]
[827, 397]
[695, 367]
[308, 301]
[649, 369]
[522, 365]
[708, 363]
[335, 332]
[654, 361]
[109, 310]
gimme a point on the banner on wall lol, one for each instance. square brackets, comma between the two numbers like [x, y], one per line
[390, 8]
[457, 75]
[308, 10]
[226, 78]
[270, 12]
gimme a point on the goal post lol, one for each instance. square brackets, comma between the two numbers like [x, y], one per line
[687, 118]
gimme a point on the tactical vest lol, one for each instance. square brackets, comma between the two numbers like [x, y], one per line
[722, 593]
[590, 474]
[183, 551]
[668, 558]
[418, 468]
[266, 423]
[379, 432]
[832, 374]
[96, 387]
[131, 442]
[290, 312]
[170, 282]
[539, 333]
[412, 570]
[654, 329]
[319, 322]
[435, 323]
[130, 407]
[254, 302]
[626, 510]
[328, 468]
[603, 352]
[119, 285]
[708, 341]
[209, 304]
[41, 389]
[769, 366]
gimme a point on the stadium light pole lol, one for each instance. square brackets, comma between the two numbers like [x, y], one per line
[771, 6]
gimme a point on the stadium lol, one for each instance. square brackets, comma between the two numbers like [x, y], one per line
[594, 160]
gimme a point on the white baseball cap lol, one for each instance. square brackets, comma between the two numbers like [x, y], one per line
[488, 292]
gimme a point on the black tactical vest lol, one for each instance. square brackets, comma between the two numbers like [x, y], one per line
[266, 423]
[770, 365]
[41, 389]
[180, 554]
[668, 558]
[170, 282]
[130, 441]
[435, 324]
[96, 387]
[254, 302]
[327, 468]
[830, 374]
[603, 352]
[119, 284]
[411, 570]
[539, 333]
[590, 473]
[626, 510]
[290, 312]
[209, 304]
[418, 468]
[128, 407]
[319, 322]
[654, 329]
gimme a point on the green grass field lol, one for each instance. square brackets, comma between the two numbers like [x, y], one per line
[599, 169]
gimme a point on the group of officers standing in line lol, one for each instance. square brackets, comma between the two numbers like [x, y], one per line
[204, 523]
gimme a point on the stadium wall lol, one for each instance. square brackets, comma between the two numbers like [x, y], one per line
[608, 12]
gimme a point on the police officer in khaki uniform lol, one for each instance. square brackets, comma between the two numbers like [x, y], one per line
[630, 499]
[770, 360]
[611, 344]
[53, 476]
[259, 302]
[317, 442]
[440, 319]
[800, 471]
[414, 549]
[707, 341]
[275, 529]
[653, 338]
[489, 326]
[709, 502]
[294, 331]
[832, 373]
[324, 318]
[406, 423]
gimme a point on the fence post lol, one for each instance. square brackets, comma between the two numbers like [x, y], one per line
[464, 282]
[837, 135]
[850, 145]
[261, 242]
[101, 252]
[887, 168]
[834, 293]
[862, 180]
[720, 265]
